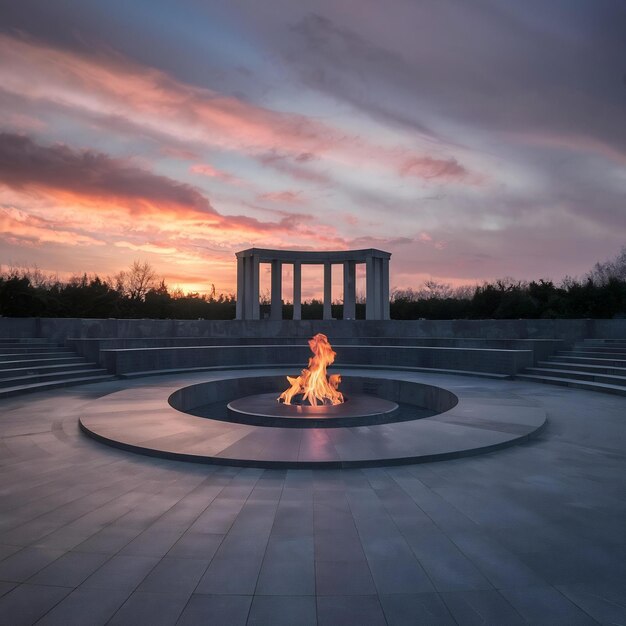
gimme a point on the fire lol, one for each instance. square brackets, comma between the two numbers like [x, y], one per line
[312, 383]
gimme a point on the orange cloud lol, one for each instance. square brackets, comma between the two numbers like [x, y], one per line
[21, 228]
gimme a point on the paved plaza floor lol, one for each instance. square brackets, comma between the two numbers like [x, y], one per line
[534, 533]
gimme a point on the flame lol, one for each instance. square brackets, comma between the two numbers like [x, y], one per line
[312, 383]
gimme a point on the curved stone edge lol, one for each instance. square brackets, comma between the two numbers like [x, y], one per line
[283, 417]
[334, 464]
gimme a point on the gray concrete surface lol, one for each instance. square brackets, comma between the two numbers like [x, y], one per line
[531, 534]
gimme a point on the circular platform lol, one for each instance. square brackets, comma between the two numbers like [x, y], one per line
[143, 419]
[358, 410]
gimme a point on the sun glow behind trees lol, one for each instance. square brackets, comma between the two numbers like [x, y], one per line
[138, 292]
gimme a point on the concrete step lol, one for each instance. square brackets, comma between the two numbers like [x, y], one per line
[592, 354]
[611, 362]
[578, 375]
[36, 355]
[576, 384]
[9, 365]
[45, 369]
[4, 351]
[23, 340]
[30, 379]
[575, 367]
[69, 382]
[13, 341]
[605, 342]
[600, 349]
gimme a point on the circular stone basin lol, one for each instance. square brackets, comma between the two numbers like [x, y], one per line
[371, 401]
[264, 410]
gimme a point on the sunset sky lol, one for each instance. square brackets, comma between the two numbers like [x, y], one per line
[472, 140]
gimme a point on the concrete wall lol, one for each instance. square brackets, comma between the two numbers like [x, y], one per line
[59, 329]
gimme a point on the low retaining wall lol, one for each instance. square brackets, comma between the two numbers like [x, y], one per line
[127, 361]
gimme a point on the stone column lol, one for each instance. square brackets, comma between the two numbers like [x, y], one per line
[276, 311]
[241, 281]
[377, 292]
[328, 279]
[297, 290]
[251, 305]
[385, 288]
[370, 286]
[349, 290]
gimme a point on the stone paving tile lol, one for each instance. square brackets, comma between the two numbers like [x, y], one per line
[6, 587]
[231, 576]
[20, 566]
[153, 608]
[6, 551]
[288, 566]
[109, 540]
[151, 542]
[25, 604]
[172, 575]
[427, 609]
[546, 605]
[342, 545]
[70, 570]
[486, 608]
[196, 546]
[343, 578]
[283, 611]
[349, 610]
[447, 567]
[399, 575]
[501, 567]
[221, 610]
[604, 600]
[284, 577]
[85, 606]
[121, 572]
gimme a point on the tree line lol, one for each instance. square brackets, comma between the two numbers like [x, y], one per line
[137, 293]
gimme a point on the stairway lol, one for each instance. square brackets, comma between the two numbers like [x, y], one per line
[32, 364]
[594, 364]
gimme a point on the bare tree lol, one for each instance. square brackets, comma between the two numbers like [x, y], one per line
[613, 268]
[136, 281]
[433, 289]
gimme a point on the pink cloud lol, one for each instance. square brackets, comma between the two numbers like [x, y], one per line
[205, 169]
[286, 197]
[155, 103]
[429, 167]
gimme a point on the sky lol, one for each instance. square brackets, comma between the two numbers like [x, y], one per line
[472, 140]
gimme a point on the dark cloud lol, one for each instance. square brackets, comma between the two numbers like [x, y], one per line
[295, 166]
[24, 164]
[528, 67]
